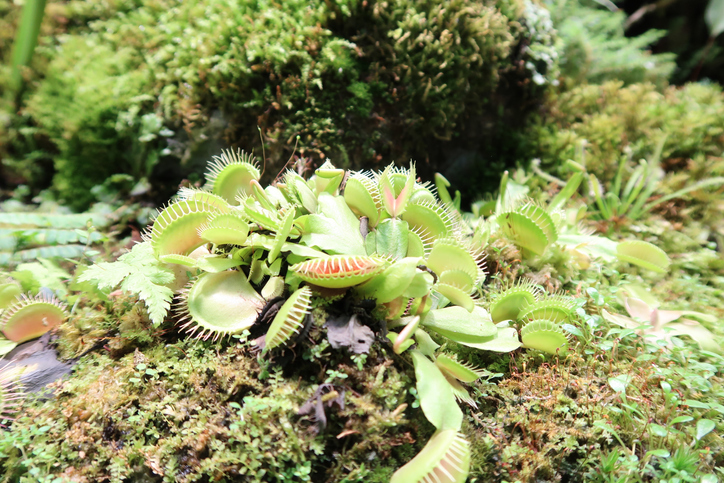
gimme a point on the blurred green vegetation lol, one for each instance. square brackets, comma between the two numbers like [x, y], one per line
[594, 47]
[121, 85]
[596, 125]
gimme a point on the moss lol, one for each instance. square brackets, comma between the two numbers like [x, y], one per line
[79, 106]
[545, 420]
[188, 411]
[610, 120]
[356, 81]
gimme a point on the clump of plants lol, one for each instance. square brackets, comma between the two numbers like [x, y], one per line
[348, 273]
[594, 47]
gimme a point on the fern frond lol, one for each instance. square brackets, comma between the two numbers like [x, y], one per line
[53, 220]
[138, 272]
[60, 251]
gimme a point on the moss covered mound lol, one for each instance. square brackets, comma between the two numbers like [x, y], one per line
[155, 408]
[354, 81]
[597, 124]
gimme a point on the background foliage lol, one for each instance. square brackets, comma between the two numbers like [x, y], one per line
[354, 81]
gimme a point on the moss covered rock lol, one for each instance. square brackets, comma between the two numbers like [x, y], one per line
[352, 81]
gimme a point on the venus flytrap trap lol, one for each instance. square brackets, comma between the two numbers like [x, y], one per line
[541, 232]
[24, 317]
[289, 321]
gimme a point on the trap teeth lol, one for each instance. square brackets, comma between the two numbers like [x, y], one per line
[339, 271]
[230, 175]
[530, 227]
[289, 321]
[508, 303]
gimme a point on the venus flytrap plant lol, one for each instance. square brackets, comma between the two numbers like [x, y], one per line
[536, 230]
[382, 237]
[387, 238]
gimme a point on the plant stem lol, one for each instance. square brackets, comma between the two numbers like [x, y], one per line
[25, 41]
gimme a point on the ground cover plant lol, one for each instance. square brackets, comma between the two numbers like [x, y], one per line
[364, 305]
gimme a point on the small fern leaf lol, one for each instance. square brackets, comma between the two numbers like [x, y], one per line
[156, 297]
[107, 275]
[140, 273]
